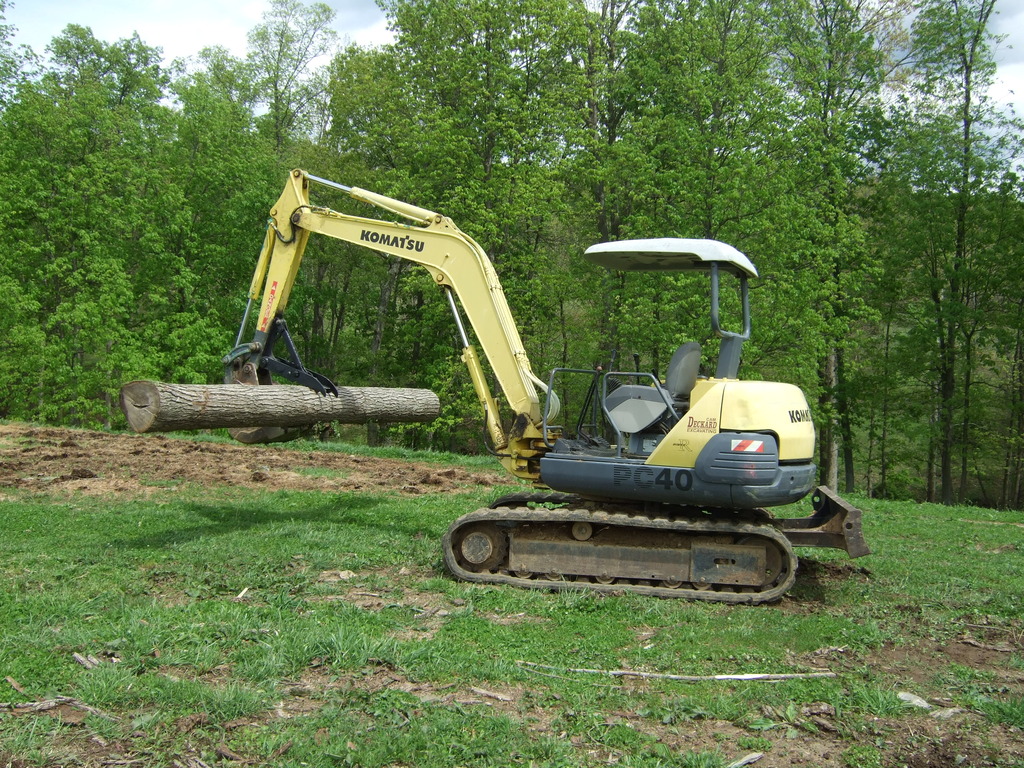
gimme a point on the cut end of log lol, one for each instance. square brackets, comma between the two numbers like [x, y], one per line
[140, 402]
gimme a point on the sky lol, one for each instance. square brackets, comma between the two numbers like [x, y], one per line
[1009, 23]
[180, 27]
[184, 27]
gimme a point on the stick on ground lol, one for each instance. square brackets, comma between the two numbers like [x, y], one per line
[683, 678]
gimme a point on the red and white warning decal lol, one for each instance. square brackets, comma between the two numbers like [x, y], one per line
[271, 298]
[748, 446]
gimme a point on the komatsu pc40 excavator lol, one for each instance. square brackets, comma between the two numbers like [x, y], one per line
[662, 492]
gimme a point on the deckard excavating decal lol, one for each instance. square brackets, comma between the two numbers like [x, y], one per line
[702, 425]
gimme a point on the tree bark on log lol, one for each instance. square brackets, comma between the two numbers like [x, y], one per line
[152, 406]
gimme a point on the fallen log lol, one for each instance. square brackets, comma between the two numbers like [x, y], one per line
[263, 411]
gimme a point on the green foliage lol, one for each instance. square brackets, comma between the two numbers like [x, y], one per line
[938, 223]
[281, 51]
[1009, 711]
[862, 756]
[878, 197]
[71, 171]
[133, 216]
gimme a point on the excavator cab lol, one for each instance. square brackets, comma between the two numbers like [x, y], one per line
[670, 254]
[692, 442]
[677, 255]
[636, 406]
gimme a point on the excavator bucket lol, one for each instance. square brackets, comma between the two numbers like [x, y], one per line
[835, 524]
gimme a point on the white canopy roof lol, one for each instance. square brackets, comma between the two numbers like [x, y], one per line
[669, 254]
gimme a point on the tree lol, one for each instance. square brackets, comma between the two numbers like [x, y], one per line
[955, 159]
[282, 51]
[609, 107]
[708, 151]
[839, 56]
[77, 185]
[11, 59]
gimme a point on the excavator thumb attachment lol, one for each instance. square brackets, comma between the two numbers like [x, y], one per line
[835, 524]
[240, 368]
[240, 364]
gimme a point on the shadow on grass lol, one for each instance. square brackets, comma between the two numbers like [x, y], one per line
[227, 518]
[818, 581]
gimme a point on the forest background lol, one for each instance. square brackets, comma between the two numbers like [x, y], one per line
[848, 147]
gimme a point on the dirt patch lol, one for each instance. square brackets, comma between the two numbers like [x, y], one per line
[915, 666]
[55, 460]
[924, 742]
[428, 609]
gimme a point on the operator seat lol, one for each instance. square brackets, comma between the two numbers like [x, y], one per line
[683, 369]
[634, 408]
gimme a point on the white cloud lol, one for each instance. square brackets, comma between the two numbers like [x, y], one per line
[1008, 22]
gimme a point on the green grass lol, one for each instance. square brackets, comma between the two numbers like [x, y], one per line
[216, 621]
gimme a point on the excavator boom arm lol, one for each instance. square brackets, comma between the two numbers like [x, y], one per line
[455, 261]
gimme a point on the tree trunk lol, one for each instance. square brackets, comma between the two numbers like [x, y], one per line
[845, 421]
[152, 406]
[885, 394]
[947, 415]
[828, 446]
[395, 270]
[965, 422]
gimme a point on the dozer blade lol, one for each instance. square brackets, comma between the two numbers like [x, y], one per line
[835, 524]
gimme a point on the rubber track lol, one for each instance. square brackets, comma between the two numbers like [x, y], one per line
[711, 526]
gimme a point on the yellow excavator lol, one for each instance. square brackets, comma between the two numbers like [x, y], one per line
[661, 485]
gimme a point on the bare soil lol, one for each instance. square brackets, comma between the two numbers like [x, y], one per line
[62, 461]
[108, 464]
